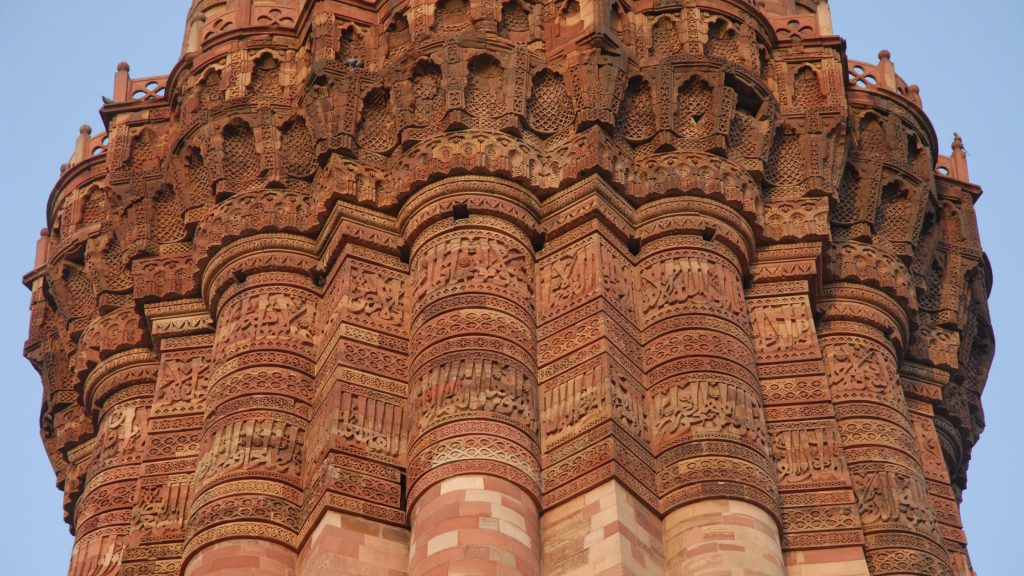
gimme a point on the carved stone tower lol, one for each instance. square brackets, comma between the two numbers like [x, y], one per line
[512, 287]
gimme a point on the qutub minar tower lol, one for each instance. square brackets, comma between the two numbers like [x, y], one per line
[493, 288]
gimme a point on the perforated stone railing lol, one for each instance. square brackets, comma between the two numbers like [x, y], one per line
[87, 145]
[128, 89]
[147, 89]
[955, 165]
[98, 144]
[209, 20]
[881, 76]
[796, 27]
[814, 22]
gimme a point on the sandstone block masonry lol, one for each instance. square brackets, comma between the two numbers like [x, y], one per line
[512, 287]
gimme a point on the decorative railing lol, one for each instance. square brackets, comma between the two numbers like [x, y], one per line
[128, 89]
[881, 76]
[796, 27]
[87, 145]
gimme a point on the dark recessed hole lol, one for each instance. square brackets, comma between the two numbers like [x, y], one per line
[402, 498]
[460, 212]
[633, 245]
[537, 239]
[708, 234]
[403, 254]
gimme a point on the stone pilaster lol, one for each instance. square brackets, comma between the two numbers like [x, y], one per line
[715, 479]
[860, 330]
[183, 337]
[594, 426]
[474, 473]
[120, 388]
[821, 527]
[247, 493]
[923, 387]
[357, 442]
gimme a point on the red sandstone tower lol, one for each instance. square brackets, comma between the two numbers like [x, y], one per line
[492, 287]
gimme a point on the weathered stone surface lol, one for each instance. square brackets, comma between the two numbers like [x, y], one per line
[477, 287]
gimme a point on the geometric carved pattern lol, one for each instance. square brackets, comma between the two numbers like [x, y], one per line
[549, 109]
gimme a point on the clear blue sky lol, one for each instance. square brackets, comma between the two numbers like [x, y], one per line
[59, 57]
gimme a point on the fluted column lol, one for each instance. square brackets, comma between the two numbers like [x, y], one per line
[121, 389]
[172, 442]
[356, 447]
[860, 330]
[821, 529]
[473, 457]
[709, 437]
[247, 504]
[600, 507]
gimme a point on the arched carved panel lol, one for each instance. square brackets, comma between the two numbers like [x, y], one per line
[484, 87]
[693, 108]
[242, 167]
[451, 16]
[549, 108]
[377, 127]
[297, 148]
[427, 92]
[636, 120]
[399, 37]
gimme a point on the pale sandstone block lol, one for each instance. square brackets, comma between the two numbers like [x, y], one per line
[509, 515]
[597, 493]
[847, 561]
[481, 495]
[564, 511]
[503, 556]
[509, 529]
[462, 483]
[715, 537]
[593, 537]
[607, 515]
[442, 542]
